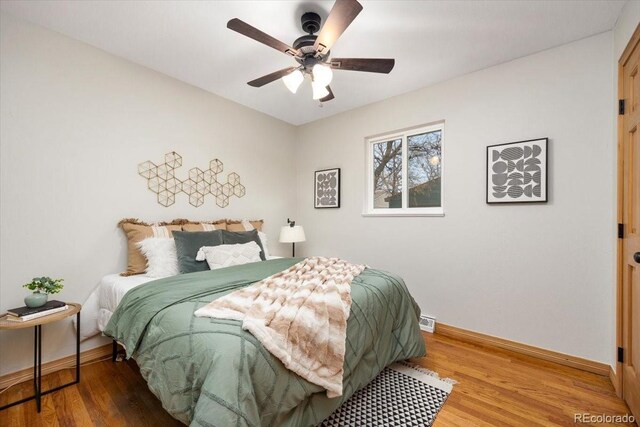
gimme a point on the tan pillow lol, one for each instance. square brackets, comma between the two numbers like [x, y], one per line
[234, 225]
[205, 226]
[136, 231]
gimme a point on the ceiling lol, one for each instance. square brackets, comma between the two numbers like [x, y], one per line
[431, 41]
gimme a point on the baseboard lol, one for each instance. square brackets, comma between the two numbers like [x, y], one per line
[528, 350]
[615, 381]
[56, 365]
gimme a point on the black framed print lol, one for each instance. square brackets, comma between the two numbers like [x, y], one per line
[326, 192]
[517, 172]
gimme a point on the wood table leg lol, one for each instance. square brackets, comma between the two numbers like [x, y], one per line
[39, 390]
[78, 348]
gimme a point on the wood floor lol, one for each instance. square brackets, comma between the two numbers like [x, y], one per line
[502, 388]
[496, 388]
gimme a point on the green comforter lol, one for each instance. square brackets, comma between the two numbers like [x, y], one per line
[209, 372]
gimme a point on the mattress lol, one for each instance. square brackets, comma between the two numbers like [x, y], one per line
[103, 300]
[111, 290]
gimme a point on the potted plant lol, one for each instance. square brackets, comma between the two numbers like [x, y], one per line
[42, 287]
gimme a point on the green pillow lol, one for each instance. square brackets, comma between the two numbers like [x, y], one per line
[233, 237]
[187, 245]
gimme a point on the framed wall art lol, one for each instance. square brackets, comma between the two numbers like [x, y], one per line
[517, 172]
[326, 193]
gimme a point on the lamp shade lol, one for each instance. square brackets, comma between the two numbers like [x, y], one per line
[319, 91]
[293, 80]
[322, 74]
[290, 234]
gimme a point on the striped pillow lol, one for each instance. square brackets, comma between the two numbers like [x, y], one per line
[239, 225]
[136, 231]
[205, 226]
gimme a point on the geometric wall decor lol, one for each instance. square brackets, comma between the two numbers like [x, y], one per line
[326, 191]
[161, 179]
[517, 172]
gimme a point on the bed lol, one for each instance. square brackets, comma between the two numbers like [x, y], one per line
[210, 372]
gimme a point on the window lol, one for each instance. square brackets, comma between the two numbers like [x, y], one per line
[404, 172]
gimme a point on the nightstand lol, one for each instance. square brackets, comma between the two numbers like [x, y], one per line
[36, 324]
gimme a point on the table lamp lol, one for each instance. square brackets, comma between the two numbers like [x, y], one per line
[292, 233]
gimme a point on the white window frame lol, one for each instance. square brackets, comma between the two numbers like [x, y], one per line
[369, 210]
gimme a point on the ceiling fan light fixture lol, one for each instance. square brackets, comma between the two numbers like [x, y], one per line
[322, 74]
[312, 51]
[293, 80]
[319, 90]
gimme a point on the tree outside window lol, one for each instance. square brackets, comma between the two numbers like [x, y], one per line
[414, 158]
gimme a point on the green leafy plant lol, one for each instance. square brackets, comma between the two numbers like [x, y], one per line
[45, 285]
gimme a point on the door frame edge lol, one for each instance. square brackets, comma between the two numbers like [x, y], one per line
[617, 373]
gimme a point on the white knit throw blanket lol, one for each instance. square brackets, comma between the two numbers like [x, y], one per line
[299, 315]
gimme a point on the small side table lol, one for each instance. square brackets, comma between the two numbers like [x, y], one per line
[5, 324]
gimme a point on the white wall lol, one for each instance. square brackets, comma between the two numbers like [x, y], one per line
[74, 123]
[625, 26]
[538, 274]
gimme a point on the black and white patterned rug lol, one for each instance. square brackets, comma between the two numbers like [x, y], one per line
[400, 396]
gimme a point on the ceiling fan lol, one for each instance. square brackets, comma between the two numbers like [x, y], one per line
[312, 52]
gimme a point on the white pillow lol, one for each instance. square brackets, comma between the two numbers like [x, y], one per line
[162, 258]
[227, 255]
[263, 237]
[263, 240]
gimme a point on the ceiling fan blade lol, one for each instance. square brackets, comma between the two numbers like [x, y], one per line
[328, 97]
[341, 16]
[261, 81]
[371, 65]
[247, 30]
